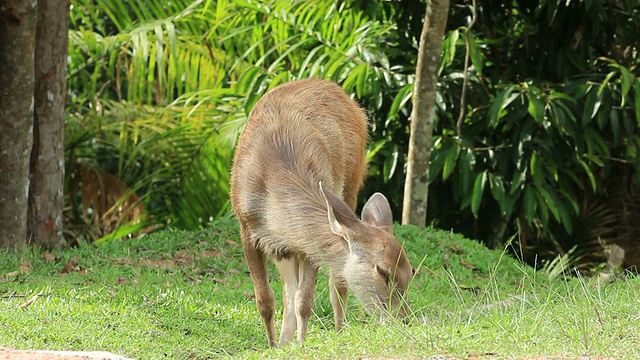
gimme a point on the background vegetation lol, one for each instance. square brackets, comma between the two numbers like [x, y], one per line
[546, 146]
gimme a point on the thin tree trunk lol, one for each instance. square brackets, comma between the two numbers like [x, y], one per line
[46, 201]
[414, 207]
[17, 48]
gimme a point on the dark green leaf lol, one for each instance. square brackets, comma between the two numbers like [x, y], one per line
[627, 80]
[465, 164]
[475, 53]
[591, 106]
[615, 127]
[390, 162]
[247, 79]
[632, 150]
[399, 101]
[530, 204]
[605, 109]
[354, 77]
[518, 179]
[601, 146]
[499, 104]
[535, 167]
[450, 161]
[543, 209]
[637, 101]
[498, 192]
[282, 77]
[373, 149]
[438, 154]
[254, 94]
[449, 48]
[589, 173]
[549, 164]
[605, 82]
[550, 203]
[361, 84]
[536, 107]
[478, 190]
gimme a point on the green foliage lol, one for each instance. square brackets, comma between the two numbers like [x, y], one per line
[550, 124]
[159, 93]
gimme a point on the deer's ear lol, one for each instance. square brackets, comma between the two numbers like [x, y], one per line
[377, 212]
[341, 219]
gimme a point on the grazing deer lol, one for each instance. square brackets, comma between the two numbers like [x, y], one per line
[296, 174]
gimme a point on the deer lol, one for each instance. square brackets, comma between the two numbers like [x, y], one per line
[296, 173]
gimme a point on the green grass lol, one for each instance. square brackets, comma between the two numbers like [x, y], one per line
[182, 295]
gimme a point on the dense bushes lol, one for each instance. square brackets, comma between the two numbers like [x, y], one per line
[548, 143]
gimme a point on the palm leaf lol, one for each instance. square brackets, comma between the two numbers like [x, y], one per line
[167, 87]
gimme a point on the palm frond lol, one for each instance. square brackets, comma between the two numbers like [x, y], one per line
[167, 87]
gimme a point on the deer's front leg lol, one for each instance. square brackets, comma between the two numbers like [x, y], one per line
[307, 275]
[288, 269]
[338, 297]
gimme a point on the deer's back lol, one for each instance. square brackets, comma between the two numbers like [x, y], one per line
[297, 134]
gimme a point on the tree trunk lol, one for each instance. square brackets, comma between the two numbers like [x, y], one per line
[46, 200]
[17, 48]
[414, 207]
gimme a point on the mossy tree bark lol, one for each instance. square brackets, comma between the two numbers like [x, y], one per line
[46, 198]
[17, 80]
[414, 207]
[33, 68]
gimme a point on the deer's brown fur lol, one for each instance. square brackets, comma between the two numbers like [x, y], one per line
[296, 174]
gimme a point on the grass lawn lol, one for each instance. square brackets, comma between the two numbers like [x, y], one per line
[188, 295]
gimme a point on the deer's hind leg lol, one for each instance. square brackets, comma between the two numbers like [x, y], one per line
[265, 299]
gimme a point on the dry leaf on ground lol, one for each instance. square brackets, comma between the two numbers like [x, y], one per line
[231, 242]
[25, 267]
[208, 253]
[48, 257]
[11, 274]
[72, 265]
[468, 265]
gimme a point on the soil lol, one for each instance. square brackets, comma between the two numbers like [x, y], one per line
[6, 353]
